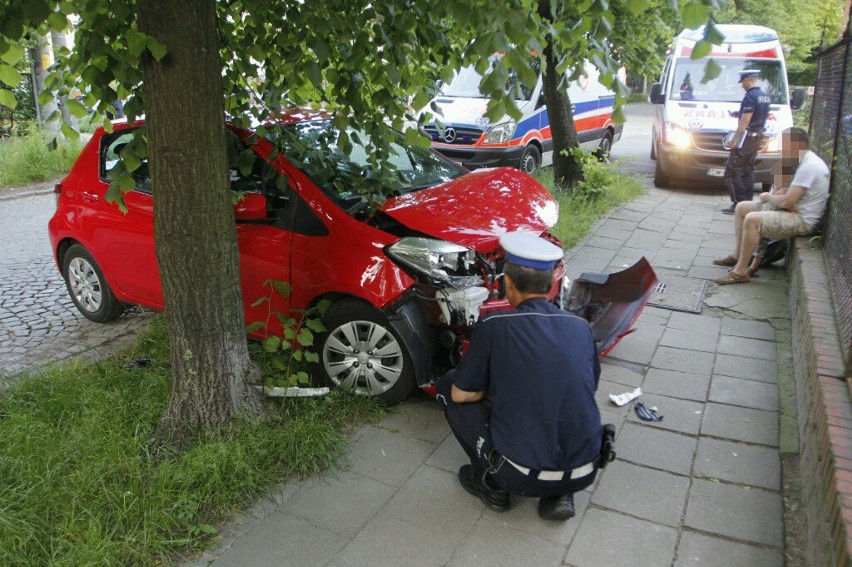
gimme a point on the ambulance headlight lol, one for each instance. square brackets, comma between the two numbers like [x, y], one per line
[676, 136]
[501, 133]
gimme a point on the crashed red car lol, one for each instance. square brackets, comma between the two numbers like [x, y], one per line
[407, 278]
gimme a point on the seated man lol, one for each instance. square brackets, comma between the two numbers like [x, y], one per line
[800, 207]
[782, 176]
[522, 400]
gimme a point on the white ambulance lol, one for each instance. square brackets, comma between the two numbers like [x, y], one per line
[460, 130]
[692, 118]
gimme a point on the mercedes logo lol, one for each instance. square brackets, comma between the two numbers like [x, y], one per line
[696, 124]
[450, 135]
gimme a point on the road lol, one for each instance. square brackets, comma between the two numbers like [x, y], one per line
[38, 322]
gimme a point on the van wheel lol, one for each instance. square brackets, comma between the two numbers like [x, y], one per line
[605, 147]
[531, 160]
[362, 353]
[660, 178]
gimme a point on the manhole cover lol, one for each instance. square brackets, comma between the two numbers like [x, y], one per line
[679, 294]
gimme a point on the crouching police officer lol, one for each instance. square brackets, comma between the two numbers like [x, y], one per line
[521, 401]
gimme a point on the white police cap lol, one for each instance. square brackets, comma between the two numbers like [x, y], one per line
[749, 74]
[530, 250]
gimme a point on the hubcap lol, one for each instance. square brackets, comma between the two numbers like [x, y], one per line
[85, 285]
[364, 357]
[529, 164]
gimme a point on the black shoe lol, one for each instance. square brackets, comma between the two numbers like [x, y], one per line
[494, 498]
[729, 210]
[557, 508]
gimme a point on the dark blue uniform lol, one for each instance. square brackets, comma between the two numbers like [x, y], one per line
[540, 368]
[739, 171]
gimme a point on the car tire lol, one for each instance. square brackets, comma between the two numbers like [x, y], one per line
[653, 146]
[605, 147]
[88, 287]
[530, 160]
[350, 357]
[660, 178]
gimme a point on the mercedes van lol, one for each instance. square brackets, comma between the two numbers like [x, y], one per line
[692, 117]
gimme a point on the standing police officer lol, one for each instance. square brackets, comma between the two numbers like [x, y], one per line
[521, 401]
[739, 171]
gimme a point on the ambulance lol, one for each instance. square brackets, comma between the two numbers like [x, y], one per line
[460, 130]
[692, 118]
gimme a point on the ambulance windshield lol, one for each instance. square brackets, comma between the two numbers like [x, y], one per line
[687, 85]
[465, 84]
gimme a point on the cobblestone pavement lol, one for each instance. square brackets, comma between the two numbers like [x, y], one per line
[38, 322]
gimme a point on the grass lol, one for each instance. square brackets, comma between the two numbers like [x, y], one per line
[78, 487]
[28, 159]
[604, 188]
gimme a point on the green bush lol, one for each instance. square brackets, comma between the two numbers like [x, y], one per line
[79, 487]
[28, 158]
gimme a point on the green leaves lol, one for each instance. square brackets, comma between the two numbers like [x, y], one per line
[9, 75]
[694, 14]
[7, 99]
[13, 53]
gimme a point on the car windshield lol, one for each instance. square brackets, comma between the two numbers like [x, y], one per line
[687, 83]
[465, 84]
[312, 146]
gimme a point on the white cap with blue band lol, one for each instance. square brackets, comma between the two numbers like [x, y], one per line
[528, 249]
[749, 74]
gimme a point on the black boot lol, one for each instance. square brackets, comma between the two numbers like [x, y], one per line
[558, 508]
[494, 498]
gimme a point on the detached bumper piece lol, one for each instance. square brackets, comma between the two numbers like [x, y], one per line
[611, 303]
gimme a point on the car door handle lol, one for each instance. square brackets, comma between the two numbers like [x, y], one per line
[89, 197]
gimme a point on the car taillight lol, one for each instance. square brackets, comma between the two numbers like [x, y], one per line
[57, 190]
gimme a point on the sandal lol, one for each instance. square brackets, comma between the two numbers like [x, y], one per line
[731, 278]
[729, 262]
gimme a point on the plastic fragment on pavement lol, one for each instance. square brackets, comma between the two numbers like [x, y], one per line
[626, 397]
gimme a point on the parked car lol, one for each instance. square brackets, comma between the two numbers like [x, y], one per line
[407, 277]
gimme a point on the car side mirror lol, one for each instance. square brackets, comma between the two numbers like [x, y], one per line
[797, 101]
[252, 206]
[657, 96]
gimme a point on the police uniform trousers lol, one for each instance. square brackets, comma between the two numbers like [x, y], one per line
[739, 171]
[470, 422]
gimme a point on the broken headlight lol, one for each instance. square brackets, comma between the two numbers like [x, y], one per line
[440, 261]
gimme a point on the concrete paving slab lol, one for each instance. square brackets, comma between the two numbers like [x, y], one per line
[682, 416]
[436, 499]
[741, 424]
[654, 316]
[283, 540]
[676, 384]
[656, 448]
[639, 346]
[607, 243]
[748, 328]
[642, 492]
[419, 418]
[341, 502]
[523, 517]
[490, 543]
[388, 457]
[609, 538]
[391, 541]
[746, 393]
[620, 375]
[745, 368]
[750, 465]
[749, 348]
[668, 358]
[605, 388]
[747, 514]
[703, 324]
[695, 339]
[449, 456]
[700, 550]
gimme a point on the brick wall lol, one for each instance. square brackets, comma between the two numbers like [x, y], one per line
[824, 409]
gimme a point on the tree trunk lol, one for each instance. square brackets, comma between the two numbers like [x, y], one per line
[567, 171]
[194, 227]
[42, 59]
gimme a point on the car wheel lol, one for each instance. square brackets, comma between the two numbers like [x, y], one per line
[361, 352]
[660, 178]
[531, 160]
[653, 146]
[605, 147]
[88, 287]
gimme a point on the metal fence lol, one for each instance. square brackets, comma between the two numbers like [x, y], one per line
[831, 138]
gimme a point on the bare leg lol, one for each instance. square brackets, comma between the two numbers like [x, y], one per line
[750, 237]
[739, 217]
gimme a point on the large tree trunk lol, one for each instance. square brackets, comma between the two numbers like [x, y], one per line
[194, 222]
[567, 171]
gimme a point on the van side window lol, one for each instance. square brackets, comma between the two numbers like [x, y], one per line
[111, 147]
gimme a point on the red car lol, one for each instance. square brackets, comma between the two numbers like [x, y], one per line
[407, 278]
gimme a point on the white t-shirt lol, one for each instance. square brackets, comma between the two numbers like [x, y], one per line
[813, 175]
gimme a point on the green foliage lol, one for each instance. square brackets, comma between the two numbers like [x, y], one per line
[603, 188]
[284, 356]
[77, 483]
[28, 158]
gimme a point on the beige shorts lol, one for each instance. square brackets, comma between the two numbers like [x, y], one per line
[776, 223]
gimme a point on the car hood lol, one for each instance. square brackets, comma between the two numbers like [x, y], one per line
[475, 209]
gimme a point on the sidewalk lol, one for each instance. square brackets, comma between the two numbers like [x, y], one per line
[701, 487]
